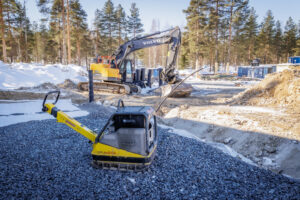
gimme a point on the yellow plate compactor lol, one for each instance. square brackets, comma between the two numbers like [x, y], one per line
[127, 141]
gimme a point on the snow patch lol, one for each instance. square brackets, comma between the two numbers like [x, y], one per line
[13, 112]
[18, 75]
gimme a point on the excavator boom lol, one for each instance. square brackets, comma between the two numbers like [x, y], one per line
[170, 36]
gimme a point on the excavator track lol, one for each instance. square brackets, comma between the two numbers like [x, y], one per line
[114, 88]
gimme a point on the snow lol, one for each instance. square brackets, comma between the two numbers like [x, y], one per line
[132, 180]
[18, 75]
[12, 112]
[206, 70]
[146, 90]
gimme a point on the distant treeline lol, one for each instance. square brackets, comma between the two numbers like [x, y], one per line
[62, 35]
[227, 32]
[222, 32]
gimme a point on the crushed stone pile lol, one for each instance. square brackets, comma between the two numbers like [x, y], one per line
[278, 89]
[48, 160]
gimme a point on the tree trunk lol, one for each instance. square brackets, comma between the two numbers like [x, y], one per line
[68, 32]
[230, 36]
[19, 55]
[2, 32]
[78, 51]
[217, 34]
[25, 30]
[36, 47]
[134, 52]
[11, 39]
[119, 43]
[64, 54]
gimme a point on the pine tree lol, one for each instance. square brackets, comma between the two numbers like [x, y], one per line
[96, 33]
[79, 26]
[121, 23]
[217, 11]
[184, 51]
[56, 10]
[108, 25]
[278, 42]
[68, 32]
[289, 38]
[238, 13]
[3, 31]
[197, 32]
[251, 29]
[266, 38]
[135, 25]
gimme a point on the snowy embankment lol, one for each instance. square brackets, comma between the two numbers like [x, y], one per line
[16, 75]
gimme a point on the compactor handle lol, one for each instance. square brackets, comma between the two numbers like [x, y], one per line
[52, 92]
[120, 102]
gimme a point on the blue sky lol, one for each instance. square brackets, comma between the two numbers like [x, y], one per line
[169, 12]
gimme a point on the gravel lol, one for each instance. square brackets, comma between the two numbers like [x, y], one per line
[47, 160]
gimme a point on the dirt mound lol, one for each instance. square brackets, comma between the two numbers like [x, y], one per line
[43, 86]
[67, 84]
[19, 95]
[281, 89]
[46, 86]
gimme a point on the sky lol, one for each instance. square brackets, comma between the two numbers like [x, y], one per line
[169, 12]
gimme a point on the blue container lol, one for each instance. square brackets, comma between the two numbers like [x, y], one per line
[240, 70]
[294, 60]
[243, 71]
[259, 72]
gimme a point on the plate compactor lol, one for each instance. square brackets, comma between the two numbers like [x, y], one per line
[127, 141]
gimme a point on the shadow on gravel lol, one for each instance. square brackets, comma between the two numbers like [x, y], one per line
[279, 154]
[47, 160]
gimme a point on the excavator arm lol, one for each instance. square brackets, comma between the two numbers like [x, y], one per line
[170, 36]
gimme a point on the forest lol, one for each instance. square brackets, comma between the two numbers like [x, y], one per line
[217, 32]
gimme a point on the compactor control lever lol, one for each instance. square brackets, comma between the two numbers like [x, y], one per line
[66, 119]
[44, 108]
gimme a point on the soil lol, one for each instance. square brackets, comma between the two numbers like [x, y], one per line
[278, 89]
[218, 112]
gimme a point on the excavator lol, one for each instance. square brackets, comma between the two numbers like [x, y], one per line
[116, 73]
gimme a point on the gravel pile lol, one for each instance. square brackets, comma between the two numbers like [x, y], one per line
[47, 160]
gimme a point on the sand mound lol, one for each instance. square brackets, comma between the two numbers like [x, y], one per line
[281, 89]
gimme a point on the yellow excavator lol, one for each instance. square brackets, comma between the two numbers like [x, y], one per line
[116, 73]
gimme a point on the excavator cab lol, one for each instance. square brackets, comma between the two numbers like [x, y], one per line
[127, 71]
